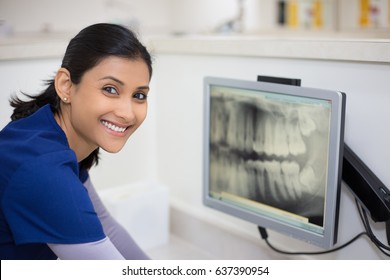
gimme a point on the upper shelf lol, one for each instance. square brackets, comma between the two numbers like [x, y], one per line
[294, 47]
[33, 46]
[303, 46]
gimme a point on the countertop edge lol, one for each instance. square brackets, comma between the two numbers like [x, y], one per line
[342, 50]
[290, 48]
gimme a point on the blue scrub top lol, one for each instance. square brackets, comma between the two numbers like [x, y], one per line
[42, 197]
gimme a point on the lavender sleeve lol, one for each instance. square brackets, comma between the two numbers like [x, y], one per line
[116, 232]
[98, 250]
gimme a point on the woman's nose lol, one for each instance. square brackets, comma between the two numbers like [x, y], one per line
[125, 111]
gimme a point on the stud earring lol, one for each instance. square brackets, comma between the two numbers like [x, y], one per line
[65, 99]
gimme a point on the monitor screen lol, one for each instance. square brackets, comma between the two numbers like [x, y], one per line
[273, 156]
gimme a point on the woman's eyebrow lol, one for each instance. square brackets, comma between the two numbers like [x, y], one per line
[143, 88]
[112, 78]
[122, 83]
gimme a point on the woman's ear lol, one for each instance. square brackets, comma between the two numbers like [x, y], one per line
[63, 84]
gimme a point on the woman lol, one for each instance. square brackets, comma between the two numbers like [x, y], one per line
[98, 98]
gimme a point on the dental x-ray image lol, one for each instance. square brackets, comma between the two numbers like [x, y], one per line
[270, 149]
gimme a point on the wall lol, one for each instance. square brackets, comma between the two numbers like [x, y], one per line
[203, 16]
[149, 16]
[167, 16]
[179, 94]
[70, 16]
[168, 147]
[135, 163]
[26, 76]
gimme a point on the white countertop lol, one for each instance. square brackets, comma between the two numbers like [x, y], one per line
[36, 46]
[33, 46]
[366, 50]
[179, 249]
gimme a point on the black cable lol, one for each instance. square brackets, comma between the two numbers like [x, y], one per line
[363, 215]
[264, 236]
[366, 223]
[369, 233]
[388, 231]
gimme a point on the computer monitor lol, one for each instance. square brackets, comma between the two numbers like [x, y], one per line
[273, 156]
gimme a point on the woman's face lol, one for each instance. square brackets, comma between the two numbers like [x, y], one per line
[108, 105]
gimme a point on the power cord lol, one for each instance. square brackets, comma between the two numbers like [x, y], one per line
[388, 231]
[363, 215]
[264, 235]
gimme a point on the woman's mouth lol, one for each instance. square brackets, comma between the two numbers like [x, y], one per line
[113, 127]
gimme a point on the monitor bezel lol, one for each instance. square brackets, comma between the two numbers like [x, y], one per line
[336, 144]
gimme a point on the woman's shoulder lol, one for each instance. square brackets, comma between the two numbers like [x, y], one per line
[41, 121]
[31, 137]
[34, 146]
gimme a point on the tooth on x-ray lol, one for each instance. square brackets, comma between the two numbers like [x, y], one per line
[261, 150]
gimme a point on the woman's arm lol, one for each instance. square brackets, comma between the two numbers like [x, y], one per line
[99, 250]
[116, 233]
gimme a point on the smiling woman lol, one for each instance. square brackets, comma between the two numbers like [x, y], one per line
[49, 208]
[117, 104]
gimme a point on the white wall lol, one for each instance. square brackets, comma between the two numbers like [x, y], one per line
[179, 116]
[166, 16]
[204, 16]
[169, 145]
[134, 163]
[26, 76]
[72, 15]
[152, 16]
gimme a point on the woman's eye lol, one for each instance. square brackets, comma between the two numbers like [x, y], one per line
[140, 96]
[110, 90]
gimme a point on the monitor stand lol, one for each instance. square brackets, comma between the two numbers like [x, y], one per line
[366, 186]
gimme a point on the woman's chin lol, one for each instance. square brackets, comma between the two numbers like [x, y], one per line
[112, 150]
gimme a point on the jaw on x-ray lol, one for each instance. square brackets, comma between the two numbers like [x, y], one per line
[272, 151]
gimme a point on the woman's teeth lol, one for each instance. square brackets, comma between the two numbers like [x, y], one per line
[113, 127]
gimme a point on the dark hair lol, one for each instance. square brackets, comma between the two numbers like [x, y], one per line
[84, 51]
